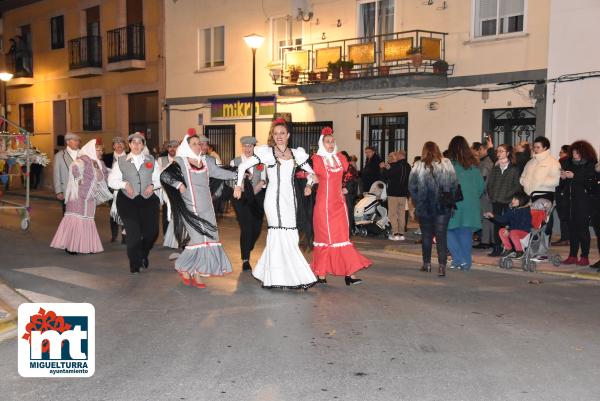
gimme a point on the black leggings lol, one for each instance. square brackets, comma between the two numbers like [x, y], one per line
[438, 226]
[579, 234]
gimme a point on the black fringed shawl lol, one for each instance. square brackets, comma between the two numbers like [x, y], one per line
[179, 210]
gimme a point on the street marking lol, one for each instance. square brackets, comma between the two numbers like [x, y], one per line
[39, 297]
[69, 276]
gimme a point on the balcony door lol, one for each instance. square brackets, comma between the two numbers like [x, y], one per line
[375, 17]
[135, 12]
[144, 117]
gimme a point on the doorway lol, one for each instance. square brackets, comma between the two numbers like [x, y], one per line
[510, 126]
[222, 137]
[385, 133]
[144, 117]
[59, 122]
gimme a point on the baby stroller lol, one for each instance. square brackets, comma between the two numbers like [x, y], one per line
[535, 244]
[370, 214]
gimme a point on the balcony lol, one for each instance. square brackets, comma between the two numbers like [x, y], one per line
[85, 56]
[126, 48]
[402, 59]
[20, 64]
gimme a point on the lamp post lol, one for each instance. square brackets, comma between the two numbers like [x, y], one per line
[254, 41]
[5, 77]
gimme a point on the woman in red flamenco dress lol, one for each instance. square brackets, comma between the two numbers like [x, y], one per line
[333, 252]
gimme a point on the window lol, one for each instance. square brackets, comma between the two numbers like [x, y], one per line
[285, 31]
[211, 47]
[498, 17]
[375, 18]
[26, 116]
[92, 114]
[57, 32]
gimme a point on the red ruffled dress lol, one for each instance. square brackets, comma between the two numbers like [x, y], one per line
[333, 252]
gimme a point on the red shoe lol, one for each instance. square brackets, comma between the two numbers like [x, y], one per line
[583, 262]
[198, 285]
[186, 281]
[571, 260]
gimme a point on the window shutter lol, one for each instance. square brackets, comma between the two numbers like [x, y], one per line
[488, 9]
[512, 7]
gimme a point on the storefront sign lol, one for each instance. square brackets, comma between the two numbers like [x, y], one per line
[241, 108]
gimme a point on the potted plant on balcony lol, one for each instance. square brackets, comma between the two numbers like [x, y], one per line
[440, 67]
[312, 76]
[346, 67]
[415, 56]
[384, 70]
[323, 75]
[334, 69]
[294, 71]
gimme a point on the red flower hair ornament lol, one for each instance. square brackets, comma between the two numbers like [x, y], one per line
[191, 132]
[327, 131]
[279, 121]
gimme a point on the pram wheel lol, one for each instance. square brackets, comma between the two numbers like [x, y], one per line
[529, 265]
[505, 263]
[556, 260]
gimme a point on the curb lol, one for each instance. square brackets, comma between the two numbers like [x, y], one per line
[571, 274]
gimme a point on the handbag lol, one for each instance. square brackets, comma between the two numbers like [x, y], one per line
[449, 199]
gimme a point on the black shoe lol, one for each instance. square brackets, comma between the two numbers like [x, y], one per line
[442, 270]
[595, 265]
[123, 240]
[322, 280]
[426, 267]
[518, 255]
[496, 252]
[246, 266]
[134, 270]
[481, 245]
[145, 263]
[70, 253]
[113, 239]
[507, 253]
[350, 280]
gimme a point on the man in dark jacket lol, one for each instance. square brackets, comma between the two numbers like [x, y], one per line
[396, 174]
[370, 172]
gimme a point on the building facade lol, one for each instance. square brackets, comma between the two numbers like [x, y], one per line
[496, 51]
[93, 67]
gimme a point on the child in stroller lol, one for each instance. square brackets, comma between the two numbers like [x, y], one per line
[516, 225]
[370, 214]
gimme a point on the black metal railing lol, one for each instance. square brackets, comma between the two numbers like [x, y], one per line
[378, 55]
[20, 63]
[127, 43]
[85, 52]
[306, 134]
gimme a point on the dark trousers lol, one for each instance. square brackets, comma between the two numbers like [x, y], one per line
[140, 218]
[114, 228]
[579, 235]
[165, 218]
[498, 209]
[564, 230]
[438, 226]
[250, 226]
[596, 227]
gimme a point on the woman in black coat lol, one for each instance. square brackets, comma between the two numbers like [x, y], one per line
[577, 180]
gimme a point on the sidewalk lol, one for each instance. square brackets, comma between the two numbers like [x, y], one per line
[9, 305]
[411, 247]
[40, 193]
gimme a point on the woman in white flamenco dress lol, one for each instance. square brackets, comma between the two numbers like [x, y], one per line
[282, 264]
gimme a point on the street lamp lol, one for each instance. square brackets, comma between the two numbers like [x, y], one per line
[254, 41]
[5, 77]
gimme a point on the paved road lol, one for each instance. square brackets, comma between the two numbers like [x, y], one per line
[402, 335]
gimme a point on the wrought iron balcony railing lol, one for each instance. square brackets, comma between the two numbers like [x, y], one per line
[20, 63]
[85, 52]
[415, 51]
[126, 43]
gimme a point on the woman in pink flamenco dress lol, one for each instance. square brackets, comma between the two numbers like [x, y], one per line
[87, 187]
[333, 252]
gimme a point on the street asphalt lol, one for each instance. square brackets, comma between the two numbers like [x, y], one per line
[401, 335]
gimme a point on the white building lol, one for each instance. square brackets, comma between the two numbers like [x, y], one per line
[486, 42]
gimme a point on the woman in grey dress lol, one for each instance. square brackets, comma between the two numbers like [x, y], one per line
[186, 182]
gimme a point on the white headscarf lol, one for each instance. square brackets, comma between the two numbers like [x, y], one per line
[89, 150]
[331, 158]
[185, 151]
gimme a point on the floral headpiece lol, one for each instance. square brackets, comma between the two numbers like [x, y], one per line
[99, 141]
[191, 132]
[327, 131]
[279, 121]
